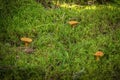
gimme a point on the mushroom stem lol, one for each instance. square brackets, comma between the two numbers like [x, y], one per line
[73, 26]
[97, 58]
[26, 44]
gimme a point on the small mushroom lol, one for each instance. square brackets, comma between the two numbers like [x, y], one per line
[73, 23]
[26, 40]
[98, 54]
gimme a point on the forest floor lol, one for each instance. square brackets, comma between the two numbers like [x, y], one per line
[59, 51]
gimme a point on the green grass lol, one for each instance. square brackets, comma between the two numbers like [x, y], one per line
[61, 52]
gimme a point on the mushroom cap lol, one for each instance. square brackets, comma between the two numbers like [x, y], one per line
[99, 53]
[73, 22]
[26, 39]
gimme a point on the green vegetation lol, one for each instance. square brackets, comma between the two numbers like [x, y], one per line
[60, 51]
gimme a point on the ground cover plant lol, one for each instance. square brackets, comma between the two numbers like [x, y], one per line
[60, 51]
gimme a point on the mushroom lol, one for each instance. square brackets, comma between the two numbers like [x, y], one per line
[98, 54]
[73, 23]
[26, 40]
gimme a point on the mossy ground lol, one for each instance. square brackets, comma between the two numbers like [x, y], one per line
[60, 51]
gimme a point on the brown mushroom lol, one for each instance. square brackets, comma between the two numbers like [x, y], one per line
[98, 54]
[26, 40]
[73, 23]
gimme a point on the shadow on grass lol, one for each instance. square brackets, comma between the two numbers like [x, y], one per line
[13, 73]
